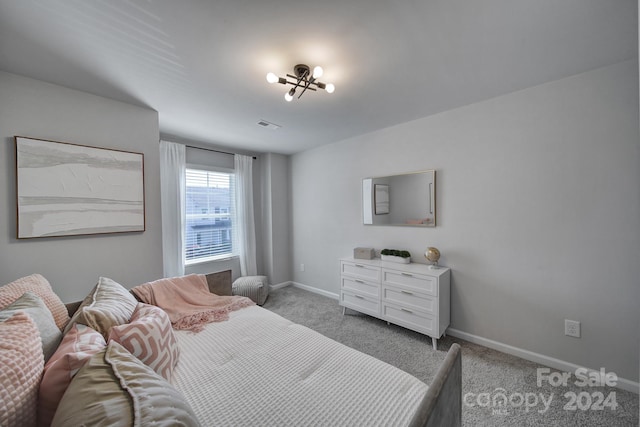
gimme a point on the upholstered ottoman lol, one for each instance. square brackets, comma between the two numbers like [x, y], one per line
[254, 287]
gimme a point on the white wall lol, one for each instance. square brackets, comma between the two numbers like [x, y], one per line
[538, 213]
[73, 264]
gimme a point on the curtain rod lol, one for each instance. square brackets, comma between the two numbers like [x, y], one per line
[215, 151]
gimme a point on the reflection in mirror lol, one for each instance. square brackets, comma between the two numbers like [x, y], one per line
[408, 199]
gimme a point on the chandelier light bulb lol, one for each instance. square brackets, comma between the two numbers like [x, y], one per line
[272, 78]
[288, 96]
[317, 72]
[330, 87]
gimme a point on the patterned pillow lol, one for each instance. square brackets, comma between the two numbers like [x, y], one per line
[114, 388]
[108, 304]
[80, 343]
[150, 338]
[31, 304]
[41, 287]
[21, 364]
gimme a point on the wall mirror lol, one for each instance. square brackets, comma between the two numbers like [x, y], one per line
[405, 200]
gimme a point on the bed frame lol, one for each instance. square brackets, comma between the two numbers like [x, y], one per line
[441, 405]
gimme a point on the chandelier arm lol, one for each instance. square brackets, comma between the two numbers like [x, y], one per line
[309, 82]
[303, 77]
[296, 85]
[313, 82]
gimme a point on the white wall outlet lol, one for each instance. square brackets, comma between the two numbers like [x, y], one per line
[301, 267]
[572, 328]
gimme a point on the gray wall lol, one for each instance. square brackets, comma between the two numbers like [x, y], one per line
[275, 218]
[538, 213]
[73, 264]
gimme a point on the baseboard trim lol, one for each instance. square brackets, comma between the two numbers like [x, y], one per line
[316, 290]
[552, 362]
[280, 285]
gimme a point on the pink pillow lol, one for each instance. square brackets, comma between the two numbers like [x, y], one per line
[21, 364]
[41, 287]
[150, 338]
[77, 346]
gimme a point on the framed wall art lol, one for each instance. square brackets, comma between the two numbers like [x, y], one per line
[66, 189]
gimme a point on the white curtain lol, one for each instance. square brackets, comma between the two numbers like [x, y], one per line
[244, 236]
[172, 184]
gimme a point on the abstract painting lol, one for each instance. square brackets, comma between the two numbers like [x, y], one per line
[67, 189]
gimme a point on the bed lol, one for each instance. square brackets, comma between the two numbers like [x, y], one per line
[258, 368]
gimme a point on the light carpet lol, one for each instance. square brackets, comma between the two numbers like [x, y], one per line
[487, 375]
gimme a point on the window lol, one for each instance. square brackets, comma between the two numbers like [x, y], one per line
[208, 213]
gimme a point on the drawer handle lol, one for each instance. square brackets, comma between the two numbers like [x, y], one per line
[358, 296]
[405, 310]
[407, 292]
[358, 281]
[360, 265]
[407, 274]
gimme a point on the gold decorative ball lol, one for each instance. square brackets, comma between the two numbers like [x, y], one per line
[432, 254]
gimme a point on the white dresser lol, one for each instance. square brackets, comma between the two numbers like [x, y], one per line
[410, 295]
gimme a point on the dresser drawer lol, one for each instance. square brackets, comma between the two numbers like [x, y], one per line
[411, 281]
[411, 319]
[410, 299]
[361, 303]
[360, 286]
[361, 271]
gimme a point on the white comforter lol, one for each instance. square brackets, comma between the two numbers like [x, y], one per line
[261, 369]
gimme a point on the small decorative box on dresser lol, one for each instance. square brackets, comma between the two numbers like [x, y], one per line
[410, 295]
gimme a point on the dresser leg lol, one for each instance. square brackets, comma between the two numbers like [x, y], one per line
[343, 310]
[435, 343]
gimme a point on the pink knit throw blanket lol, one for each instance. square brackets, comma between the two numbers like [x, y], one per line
[188, 302]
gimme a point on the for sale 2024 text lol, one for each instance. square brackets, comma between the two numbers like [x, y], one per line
[584, 400]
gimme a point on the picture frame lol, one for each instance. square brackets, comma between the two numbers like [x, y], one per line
[381, 198]
[65, 189]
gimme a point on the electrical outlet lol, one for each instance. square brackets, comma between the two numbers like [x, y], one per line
[301, 267]
[572, 328]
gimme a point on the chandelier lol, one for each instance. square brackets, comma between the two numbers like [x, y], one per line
[303, 79]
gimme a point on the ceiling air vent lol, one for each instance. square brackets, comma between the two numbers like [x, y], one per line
[268, 125]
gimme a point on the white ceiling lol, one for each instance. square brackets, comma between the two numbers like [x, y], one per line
[202, 64]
